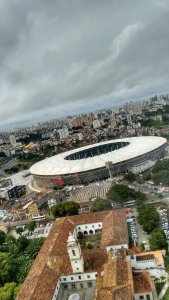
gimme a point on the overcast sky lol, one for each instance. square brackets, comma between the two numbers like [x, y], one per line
[64, 57]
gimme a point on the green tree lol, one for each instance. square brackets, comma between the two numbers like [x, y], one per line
[7, 292]
[161, 165]
[65, 209]
[22, 243]
[147, 176]
[33, 247]
[71, 208]
[2, 237]
[148, 217]
[10, 239]
[7, 269]
[16, 291]
[24, 264]
[130, 176]
[161, 177]
[157, 240]
[122, 193]
[58, 210]
[100, 205]
[19, 230]
[89, 245]
[31, 226]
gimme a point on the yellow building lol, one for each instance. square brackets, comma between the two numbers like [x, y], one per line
[32, 209]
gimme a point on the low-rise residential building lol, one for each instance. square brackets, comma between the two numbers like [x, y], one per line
[153, 261]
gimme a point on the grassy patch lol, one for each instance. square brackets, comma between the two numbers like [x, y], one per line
[91, 241]
[166, 297]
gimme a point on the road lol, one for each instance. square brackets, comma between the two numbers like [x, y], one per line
[7, 166]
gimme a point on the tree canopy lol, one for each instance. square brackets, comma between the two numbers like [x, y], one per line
[130, 176]
[160, 172]
[16, 258]
[148, 216]
[161, 177]
[31, 225]
[161, 165]
[157, 240]
[22, 243]
[7, 269]
[123, 193]
[100, 205]
[65, 209]
[2, 237]
[19, 230]
[9, 291]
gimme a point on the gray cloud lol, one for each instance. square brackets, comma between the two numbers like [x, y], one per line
[62, 57]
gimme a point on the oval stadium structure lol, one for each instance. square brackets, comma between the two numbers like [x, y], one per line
[99, 161]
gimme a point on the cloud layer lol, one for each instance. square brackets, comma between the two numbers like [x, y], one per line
[61, 57]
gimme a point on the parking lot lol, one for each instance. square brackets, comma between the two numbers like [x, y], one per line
[136, 228]
[164, 221]
[131, 223]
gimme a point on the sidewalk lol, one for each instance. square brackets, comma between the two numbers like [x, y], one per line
[163, 291]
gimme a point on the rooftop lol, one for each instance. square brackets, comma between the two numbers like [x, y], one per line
[158, 256]
[142, 282]
[53, 261]
[59, 165]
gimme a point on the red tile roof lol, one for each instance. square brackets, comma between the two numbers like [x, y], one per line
[142, 283]
[53, 261]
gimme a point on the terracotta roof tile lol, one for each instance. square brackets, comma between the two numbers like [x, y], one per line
[53, 261]
[142, 282]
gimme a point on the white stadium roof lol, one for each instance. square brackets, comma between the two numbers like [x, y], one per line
[58, 165]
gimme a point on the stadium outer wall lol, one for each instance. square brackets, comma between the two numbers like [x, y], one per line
[139, 163]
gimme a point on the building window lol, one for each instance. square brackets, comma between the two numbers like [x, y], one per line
[77, 269]
[71, 278]
[73, 286]
[79, 227]
[80, 277]
[65, 286]
[88, 276]
[64, 279]
[81, 285]
[73, 252]
[89, 284]
[147, 297]
[141, 297]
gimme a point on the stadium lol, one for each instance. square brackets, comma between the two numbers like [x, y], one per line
[99, 161]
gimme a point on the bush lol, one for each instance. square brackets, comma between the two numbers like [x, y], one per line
[89, 245]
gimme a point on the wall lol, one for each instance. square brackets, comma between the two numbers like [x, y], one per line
[73, 279]
[144, 296]
[90, 228]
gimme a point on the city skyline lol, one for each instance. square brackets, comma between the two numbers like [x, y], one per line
[64, 58]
